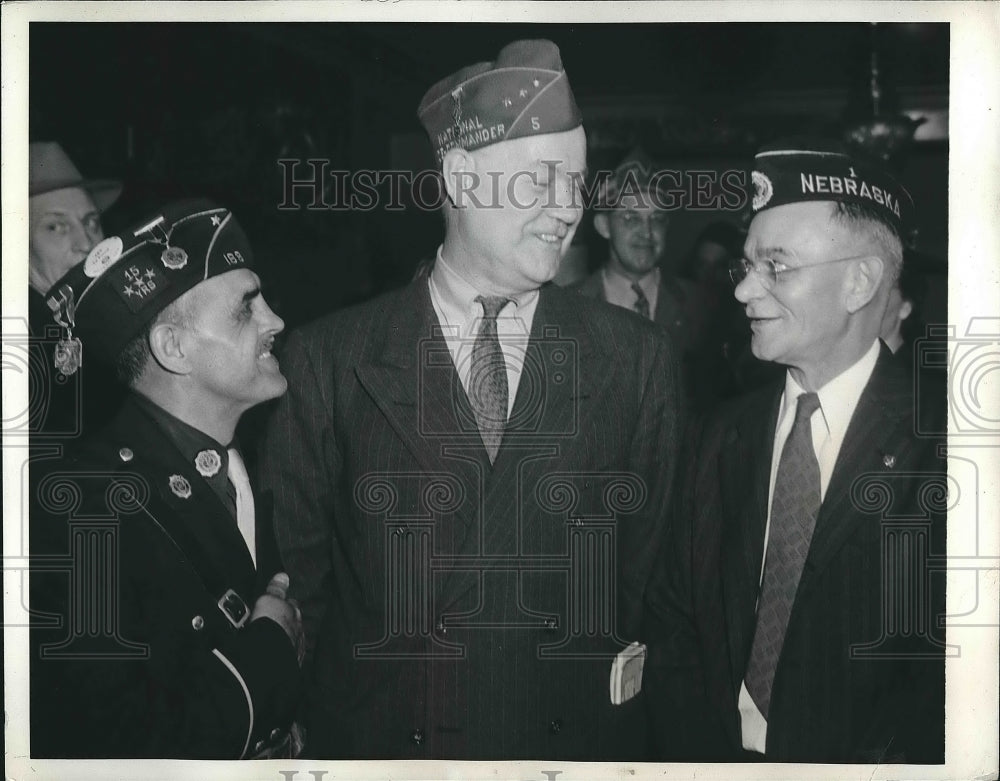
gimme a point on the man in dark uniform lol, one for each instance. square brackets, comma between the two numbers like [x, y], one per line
[162, 626]
[795, 616]
[64, 224]
[470, 473]
[633, 219]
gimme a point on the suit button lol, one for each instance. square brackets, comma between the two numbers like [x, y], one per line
[258, 746]
[126, 454]
[197, 623]
[555, 726]
[275, 734]
[417, 737]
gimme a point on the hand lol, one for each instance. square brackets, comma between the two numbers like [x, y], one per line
[284, 612]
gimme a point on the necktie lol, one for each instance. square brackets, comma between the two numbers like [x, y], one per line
[794, 507]
[488, 377]
[641, 304]
[245, 517]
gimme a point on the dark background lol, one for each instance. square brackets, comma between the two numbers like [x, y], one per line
[208, 109]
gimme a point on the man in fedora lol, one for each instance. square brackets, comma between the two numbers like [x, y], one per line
[795, 615]
[163, 626]
[471, 473]
[64, 224]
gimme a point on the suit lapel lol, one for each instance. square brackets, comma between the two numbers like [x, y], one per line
[879, 423]
[199, 522]
[415, 386]
[745, 470]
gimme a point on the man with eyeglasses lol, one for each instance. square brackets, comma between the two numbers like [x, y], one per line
[796, 616]
[634, 221]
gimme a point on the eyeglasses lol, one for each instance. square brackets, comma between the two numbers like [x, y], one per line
[770, 270]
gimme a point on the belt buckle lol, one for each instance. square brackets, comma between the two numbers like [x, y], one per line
[234, 608]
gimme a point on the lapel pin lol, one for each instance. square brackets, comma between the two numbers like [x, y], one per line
[207, 462]
[180, 486]
[889, 460]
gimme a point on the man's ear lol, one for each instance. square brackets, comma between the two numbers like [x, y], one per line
[166, 345]
[864, 282]
[458, 169]
[602, 224]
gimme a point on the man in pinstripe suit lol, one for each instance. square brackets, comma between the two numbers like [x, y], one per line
[470, 473]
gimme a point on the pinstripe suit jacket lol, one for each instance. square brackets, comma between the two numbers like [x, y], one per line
[861, 673]
[454, 608]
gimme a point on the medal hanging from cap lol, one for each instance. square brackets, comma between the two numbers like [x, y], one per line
[69, 350]
[173, 258]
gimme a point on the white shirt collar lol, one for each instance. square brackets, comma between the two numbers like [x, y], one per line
[839, 397]
[456, 295]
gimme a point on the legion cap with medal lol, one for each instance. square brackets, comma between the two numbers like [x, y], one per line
[126, 280]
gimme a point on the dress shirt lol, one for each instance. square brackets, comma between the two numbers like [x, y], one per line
[838, 399]
[618, 289]
[460, 315]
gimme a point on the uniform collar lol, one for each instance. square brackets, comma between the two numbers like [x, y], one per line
[202, 452]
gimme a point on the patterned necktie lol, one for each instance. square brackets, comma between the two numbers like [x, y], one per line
[488, 377]
[641, 304]
[793, 517]
[245, 517]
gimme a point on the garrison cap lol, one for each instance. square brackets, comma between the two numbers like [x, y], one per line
[525, 92]
[822, 170]
[126, 280]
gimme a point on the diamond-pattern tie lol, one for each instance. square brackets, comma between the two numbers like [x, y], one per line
[488, 378]
[794, 507]
[245, 515]
[641, 304]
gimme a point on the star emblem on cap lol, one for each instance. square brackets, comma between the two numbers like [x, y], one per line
[207, 462]
[523, 93]
[216, 220]
[506, 102]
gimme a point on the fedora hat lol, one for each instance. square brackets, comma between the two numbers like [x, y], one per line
[51, 169]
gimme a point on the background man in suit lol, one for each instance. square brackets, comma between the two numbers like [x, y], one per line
[157, 651]
[471, 473]
[635, 223]
[794, 617]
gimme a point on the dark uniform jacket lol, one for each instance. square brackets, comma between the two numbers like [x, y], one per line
[860, 677]
[458, 609]
[132, 656]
